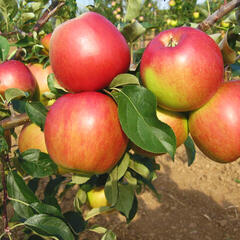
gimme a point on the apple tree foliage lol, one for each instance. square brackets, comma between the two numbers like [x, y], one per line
[23, 173]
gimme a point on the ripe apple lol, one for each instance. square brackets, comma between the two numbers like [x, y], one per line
[83, 132]
[87, 52]
[215, 127]
[183, 67]
[96, 198]
[196, 15]
[41, 74]
[31, 137]
[14, 74]
[45, 41]
[177, 121]
[172, 3]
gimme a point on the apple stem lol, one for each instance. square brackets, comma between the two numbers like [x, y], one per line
[172, 43]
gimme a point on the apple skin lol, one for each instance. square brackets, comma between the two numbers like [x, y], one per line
[87, 52]
[31, 136]
[41, 75]
[179, 124]
[215, 127]
[186, 76]
[45, 41]
[14, 74]
[96, 198]
[83, 132]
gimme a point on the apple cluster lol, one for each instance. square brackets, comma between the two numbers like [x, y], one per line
[184, 68]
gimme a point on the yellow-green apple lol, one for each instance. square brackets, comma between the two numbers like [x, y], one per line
[14, 74]
[31, 137]
[225, 24]
[87, 52]
[215, 127]
[96, 198]
[83, 132]
[174, 23]
[196, 15]
[41, 74]
[183, 67]
[172, 3]
[45, 41]
[177, 121]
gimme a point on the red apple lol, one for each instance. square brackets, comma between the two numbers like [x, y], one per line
[87, 52]
[14, 74]
[215, 127]
[45, 41]
[41, 75]
[177, 121]
[82, 132]
[183, 67]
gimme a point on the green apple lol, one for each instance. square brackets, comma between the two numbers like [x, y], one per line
[96, 198]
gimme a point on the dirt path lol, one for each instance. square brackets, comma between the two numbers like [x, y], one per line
[201, 202]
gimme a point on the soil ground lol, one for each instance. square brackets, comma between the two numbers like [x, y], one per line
[201, 202]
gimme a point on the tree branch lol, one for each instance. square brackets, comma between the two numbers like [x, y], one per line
[13, 122]
[52, 9]
[222, 11]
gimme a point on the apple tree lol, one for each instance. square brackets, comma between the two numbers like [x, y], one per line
[122, 127]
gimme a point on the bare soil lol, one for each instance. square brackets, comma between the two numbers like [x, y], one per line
[201, 202]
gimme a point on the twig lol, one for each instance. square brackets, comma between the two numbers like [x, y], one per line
[4, 158]
[13, 122]
[222, 11]
[52, 9]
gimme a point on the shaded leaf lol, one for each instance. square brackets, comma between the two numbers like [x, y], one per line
[190, 149]
[75, 221]
[14, 93]
[54, 87]
[43, 208]
[37, 164]
[18, 189]
[132, 31]
[4, 48]
[37, 113]
[49, 226]
[80, 199]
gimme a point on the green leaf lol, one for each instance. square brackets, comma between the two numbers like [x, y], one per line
[125, 199]
[15, 93]
[80, 199]
[97, 229]
[75, 221]
[139, 168]
[37, 164]
[124, 79]
[17, 189]
[133, 9]
[133, 210]
[123, 166]
[111, 187]
[4, 48]
[235, 69]
[130, 179]
[43, 208]
[46, 225]
[25, 42]
[37, 113]
[132, 31]
[190, 149]
[109, 235]
[96, 211]
[80, 179]
[54, 87]
[19, 106]
[137, 114]
[53, 185]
